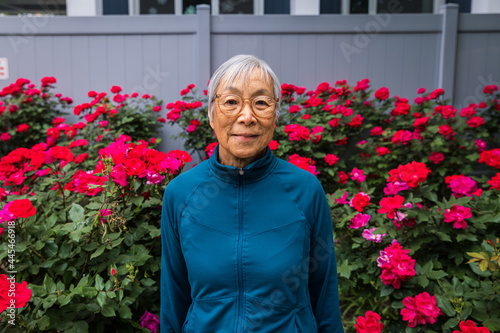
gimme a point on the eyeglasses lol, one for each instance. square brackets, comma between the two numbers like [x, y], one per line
[262, 106]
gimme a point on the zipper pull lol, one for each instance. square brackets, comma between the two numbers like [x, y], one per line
[241, 172]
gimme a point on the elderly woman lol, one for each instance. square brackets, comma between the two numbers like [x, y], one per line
[247, 240]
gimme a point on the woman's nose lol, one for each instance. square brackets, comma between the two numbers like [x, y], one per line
[246, 114]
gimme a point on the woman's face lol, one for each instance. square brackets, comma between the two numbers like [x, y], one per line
[243, 138]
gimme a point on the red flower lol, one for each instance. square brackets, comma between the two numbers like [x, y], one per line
[62, 153]
[490, 89]
[436, 157]
[402, 136]
[421, 123]
[297, 132]
[446, 130]
[475, 121]
[376, 131]
[294, 108]
[390, 204]
[80, 158]
[22, 208]
[412, 174]
[360, 201]
[22, 128]
[383, 151]
[304, 163]
[401, 109]
[470, 327]
[22, 293]
[273, 145]
[421, 309]
[343, 177]
[334, 122]
[331, 159]
[447, 111]
[210, 148]
[457, 214]
[356, 121]
[369, 324]
[116, 89]
[382, 93]
[491, 158]
[495, 182]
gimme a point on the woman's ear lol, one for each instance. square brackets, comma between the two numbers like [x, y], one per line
[210, 120]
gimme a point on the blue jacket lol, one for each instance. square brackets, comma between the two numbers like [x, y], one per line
[248, 250]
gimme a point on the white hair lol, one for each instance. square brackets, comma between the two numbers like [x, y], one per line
[241, 66]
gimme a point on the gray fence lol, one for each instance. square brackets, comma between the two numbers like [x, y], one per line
[162, 54]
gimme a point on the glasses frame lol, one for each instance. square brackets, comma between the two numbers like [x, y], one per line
[276, 100]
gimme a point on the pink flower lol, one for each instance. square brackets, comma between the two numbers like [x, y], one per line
[480, 144]
[331, 159]
[463, 185]
[119, 175]
[358, 175]
[343, 199]
[397, 266]
[369, 323]
[421, 309]
[457, 214]
[360, 220]
[153, 178]
[402, 136]
[5, 214]
[150, 321]
[104, 213]
[368, 235]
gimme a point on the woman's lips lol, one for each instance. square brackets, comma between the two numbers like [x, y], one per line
[245, 136]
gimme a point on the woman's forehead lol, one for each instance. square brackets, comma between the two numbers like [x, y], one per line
[247, 79]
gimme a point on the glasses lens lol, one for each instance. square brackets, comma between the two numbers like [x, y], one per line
[263, 105]
[230, 103]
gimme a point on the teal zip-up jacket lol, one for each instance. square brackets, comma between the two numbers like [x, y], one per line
[248, 250]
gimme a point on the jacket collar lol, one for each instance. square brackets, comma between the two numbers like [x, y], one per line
[250, 173]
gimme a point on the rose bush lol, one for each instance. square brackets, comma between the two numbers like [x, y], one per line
[83, 205]
[414, 193]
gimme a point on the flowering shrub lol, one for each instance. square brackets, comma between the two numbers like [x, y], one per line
[83, 206]
[413, 188]
[27, 111]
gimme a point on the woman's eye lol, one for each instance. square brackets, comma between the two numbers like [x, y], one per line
[231, 102]
[262, 103]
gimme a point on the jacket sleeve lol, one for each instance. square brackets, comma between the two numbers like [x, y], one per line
[175, 291]
[323, 282]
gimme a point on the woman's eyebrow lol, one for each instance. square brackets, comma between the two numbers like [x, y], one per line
[255, 93]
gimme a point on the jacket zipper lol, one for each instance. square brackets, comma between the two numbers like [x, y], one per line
[240, 251]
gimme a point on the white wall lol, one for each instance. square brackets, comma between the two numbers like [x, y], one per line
[81, 8]
[485, 6]
[304, 7]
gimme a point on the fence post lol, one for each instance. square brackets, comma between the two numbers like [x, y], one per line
[447, 57]
[202, 55]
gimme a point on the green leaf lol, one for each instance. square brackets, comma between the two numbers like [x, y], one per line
[386, 290]
[49, 284]
[98, 252]
[493, 324]
[76, 213]
[452, 322]
[101, 298]
[436, 275]
[99, 282]
[445, 305]
[108, 311]
[124, 312]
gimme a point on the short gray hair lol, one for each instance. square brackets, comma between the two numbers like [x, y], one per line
[242, 66]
